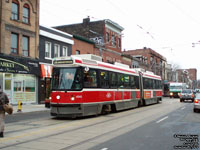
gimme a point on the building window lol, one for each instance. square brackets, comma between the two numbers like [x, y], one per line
[15, 10]
[56, 50]
[107, 37]
[64, 51]
[113, 40]
[161, 64]
[119, 42]
[14, 43]
[25, 46]
[47, 50]
[78, 52]
[26, 14]
[151, 60]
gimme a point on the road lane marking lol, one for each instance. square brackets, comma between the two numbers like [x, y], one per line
[104, 149]
[162, 119]
[183, 108]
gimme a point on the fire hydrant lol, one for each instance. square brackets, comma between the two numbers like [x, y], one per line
[19, 106]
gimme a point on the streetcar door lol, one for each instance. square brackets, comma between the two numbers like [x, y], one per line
[141, 86]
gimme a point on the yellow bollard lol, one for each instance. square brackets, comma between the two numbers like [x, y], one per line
[19, 106]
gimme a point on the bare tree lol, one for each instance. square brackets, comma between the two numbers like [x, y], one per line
[174, 68]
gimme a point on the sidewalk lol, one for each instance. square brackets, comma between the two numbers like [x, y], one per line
[30, 108]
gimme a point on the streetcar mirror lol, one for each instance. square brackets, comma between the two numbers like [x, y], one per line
[86, 69]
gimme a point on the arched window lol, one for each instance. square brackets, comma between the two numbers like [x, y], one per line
[26, 14]
[15, 10]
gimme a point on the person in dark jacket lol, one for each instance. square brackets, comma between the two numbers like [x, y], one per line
[3, 100]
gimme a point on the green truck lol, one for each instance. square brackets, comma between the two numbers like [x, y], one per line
[176, 88]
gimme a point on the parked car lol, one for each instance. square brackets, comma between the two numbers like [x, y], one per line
[197, 103]
[197, 91]
[187, 94]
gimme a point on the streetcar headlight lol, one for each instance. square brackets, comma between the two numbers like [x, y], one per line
[58, 97]
[72, 98]
[171, 94]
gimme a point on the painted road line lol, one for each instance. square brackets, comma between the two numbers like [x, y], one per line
[162, 119]
[104, 149]
[183, 108]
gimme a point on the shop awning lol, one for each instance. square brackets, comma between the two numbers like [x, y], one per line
[46, 71]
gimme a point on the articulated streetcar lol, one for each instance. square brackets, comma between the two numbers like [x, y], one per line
[83, 85]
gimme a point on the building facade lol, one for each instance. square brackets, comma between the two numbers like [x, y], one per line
[83, 46]
[106, 34]
[19, 40]
[52, 43]
[153, 60]
[188, 76]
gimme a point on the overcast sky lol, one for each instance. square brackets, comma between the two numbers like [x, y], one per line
[166, 26]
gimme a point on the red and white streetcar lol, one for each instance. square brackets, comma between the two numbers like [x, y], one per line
[83, 85]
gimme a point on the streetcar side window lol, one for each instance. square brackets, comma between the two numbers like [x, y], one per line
[113, 79]
[90, 78]
[132, 82]
[126, 81]
[146, 83]
[158, 84]
[150, 83]
[104, 79]
[120, 79]
[77, 84]
[137, 82]
[154, 84]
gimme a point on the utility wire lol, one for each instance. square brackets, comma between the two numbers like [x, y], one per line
[128, 14]
[183, 12]
[75, 11]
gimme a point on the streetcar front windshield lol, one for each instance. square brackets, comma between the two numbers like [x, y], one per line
[66, 79]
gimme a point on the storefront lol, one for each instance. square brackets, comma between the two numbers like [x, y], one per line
[19, 78]
[45, 82]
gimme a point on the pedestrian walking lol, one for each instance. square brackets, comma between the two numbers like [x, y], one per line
[3, 100]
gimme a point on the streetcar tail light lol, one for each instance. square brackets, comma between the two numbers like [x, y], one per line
[196, 101]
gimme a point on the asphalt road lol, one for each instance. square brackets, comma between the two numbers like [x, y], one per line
[164, 126]
[179, 129]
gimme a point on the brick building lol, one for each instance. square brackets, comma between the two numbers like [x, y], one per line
[19, 40]
[83, 46]
[188, 76]
[105, 33]
[152, 60]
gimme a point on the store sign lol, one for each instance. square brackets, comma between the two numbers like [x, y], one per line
[46, 71]
[13, 64]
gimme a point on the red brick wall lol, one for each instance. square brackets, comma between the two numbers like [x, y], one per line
[83, 47]
[192, 73]
[109, 45]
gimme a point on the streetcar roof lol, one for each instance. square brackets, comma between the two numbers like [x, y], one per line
[94, 61]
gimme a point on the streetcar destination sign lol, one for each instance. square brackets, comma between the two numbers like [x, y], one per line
[56, 62]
